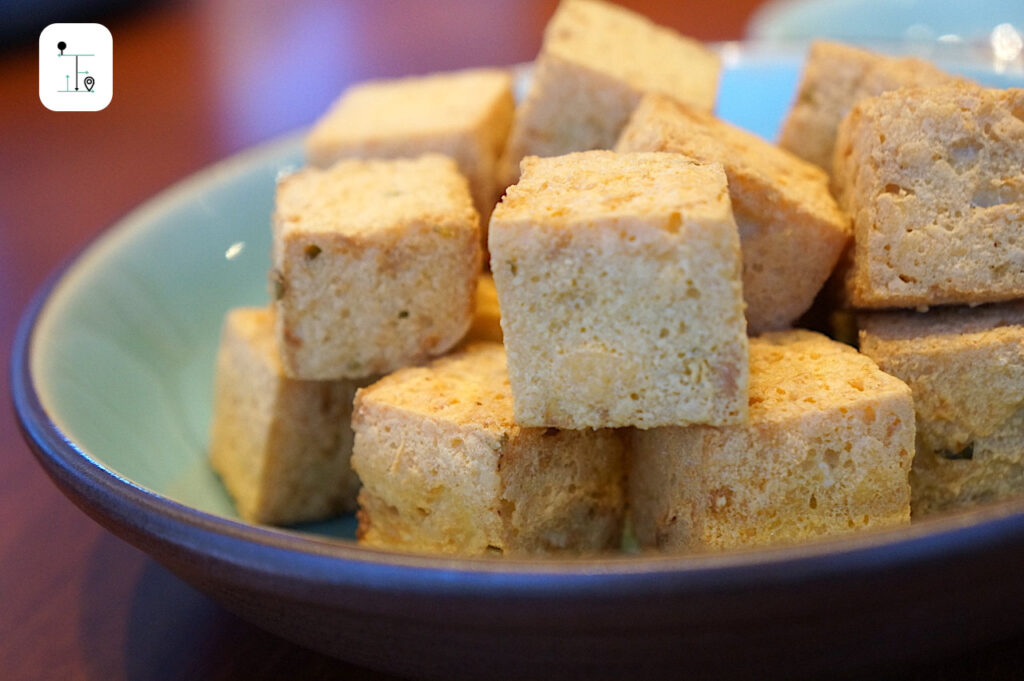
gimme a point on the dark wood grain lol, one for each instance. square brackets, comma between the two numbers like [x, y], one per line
[193, 83]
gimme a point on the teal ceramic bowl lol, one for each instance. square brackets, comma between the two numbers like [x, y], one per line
[111, 380]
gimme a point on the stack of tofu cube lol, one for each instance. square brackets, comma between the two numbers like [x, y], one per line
[647, 262]
[930, 167]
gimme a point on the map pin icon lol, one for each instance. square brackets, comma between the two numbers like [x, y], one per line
[89, 82]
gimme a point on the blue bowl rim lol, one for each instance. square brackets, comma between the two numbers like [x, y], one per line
[287, 556]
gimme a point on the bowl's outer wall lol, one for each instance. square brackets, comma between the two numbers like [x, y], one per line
[833, 613]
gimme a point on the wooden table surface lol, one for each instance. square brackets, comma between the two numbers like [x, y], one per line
[195, 82]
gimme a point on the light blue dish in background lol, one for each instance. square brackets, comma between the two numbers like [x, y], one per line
[883, 20]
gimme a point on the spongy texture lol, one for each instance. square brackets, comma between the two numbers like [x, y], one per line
[462, 114]
[596, 61]
[619, 282]
[376, 264]
[827, 450]
[933, 179]
[791, 230]
[837, 76]
[446, 469]
[965, 367]
[280, 445]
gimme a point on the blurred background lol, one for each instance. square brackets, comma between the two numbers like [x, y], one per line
[194, 82]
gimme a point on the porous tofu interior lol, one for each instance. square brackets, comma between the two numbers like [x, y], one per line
[445, 468]
[827, 449]
[791, 230]
[376, 263]
[282, 446]
[966, 369]
[610, 39]
[618, 277]
[436, 104]
[934, 181]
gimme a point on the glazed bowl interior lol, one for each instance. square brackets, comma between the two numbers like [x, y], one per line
[123, 351]
[121, 354]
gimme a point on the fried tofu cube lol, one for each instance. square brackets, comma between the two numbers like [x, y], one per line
[445, 469]
[965, 367]
[834, 78]
[280, 445]
[933, 179]
[791, 230]
[375, 265]
[465, 115]
[827, 450]
[618, 277]
[596, 62]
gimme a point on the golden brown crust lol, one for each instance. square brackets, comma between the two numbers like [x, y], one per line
[446, 469]
[619, 282]
[933, 179]
[827, 450]
[835, 77]
[281, 446]
[965, 367]
[791, 230]
[356, 249]
[596, 61]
